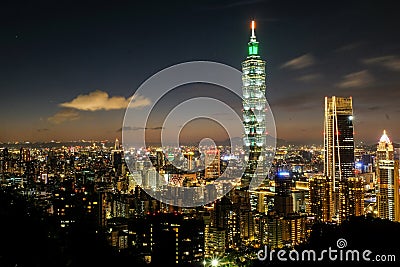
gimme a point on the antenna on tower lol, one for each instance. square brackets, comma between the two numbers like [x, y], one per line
[253, 27]
[116, 145]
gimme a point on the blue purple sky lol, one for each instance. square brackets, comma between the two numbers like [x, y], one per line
[67, 69]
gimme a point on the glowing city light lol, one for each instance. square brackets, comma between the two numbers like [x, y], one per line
[385, 138]
[253, 27]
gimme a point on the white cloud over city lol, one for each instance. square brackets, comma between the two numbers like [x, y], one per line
[300, 62]
[100, 100]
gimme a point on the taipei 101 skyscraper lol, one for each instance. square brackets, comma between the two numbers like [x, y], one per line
[254, 111]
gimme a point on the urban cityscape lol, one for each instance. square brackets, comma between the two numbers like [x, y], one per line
[232, 202]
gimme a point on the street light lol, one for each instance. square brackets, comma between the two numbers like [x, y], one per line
[214, 262]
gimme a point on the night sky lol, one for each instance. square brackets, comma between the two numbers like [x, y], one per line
[68, 68]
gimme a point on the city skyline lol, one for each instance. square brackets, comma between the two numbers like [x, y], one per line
[58, 61]
[174, 134]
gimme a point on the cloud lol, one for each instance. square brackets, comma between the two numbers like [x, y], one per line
[309, 77]
[349, 47]
[63, 116]
[356, 79]
[129, 128]
[390, 62]
[373, 108]
[309, 100]
[139, 101]
[43, 130]
[301, 62]
[99, 100]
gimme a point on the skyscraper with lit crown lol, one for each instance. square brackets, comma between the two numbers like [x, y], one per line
[338, 138]
[388, 180]
[253, 86]
[338, 143]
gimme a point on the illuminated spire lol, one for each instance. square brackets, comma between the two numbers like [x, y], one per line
[116, 145]
[253, 27]
[385, 138]
[253, 44]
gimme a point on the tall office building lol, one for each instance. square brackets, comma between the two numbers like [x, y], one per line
[338, 143]
[253, 79]
[293, 224]
[338, 139]
[388, 180]
[117, 157]
[283, 200]
[245, 216]
[213, 165]
[160, 159]
[150, 178]
[189, 157]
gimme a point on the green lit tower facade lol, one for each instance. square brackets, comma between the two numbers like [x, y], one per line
[254, 108]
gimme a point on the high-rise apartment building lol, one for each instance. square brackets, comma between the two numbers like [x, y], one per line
[351, 198]
[214, 237]
[175, 239]
[320, 198]
[213, 165]
[388, 180]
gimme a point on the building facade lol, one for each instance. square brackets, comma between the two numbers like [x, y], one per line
[339, 138]
[338, 143]
[351, 198]
[254, 116]
[388, 180]
[321, 198]
[212, 164]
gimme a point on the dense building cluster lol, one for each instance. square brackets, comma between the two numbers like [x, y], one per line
[91, 183]
[133, 197]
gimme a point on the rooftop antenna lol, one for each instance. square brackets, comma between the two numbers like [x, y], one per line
[253, 27]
